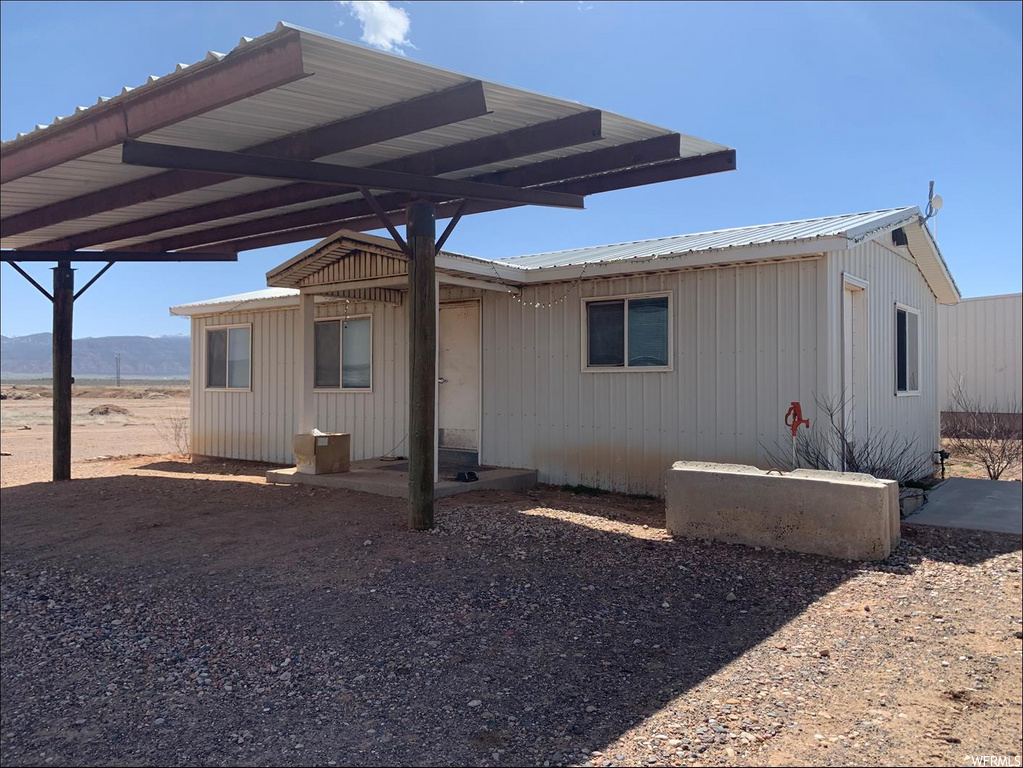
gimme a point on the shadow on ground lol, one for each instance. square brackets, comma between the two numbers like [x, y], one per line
[232, 468]
[155, 620]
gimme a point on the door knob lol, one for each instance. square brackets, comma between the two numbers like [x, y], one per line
[441, 380]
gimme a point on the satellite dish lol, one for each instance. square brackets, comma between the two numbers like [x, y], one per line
[936, 203]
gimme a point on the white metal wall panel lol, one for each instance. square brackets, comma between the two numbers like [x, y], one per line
[981, 341]
[254, 424]
[747, 341]
[376, 420]
[745, 346]
[892, 278]
[258, 425]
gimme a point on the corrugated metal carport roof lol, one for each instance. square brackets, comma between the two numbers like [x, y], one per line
[65, 186]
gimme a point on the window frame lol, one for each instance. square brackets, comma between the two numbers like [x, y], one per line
[626, 368]
[227, 358]
[340, 388]
[899, 307]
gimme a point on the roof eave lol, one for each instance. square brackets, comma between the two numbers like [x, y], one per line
[940, 280]
[684, 260]
[223, 307]
[872, 229]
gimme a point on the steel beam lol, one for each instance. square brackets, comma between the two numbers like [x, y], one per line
[268, 64]
[461, 102]
[522, 142]
[31, 280]
[341, 215]
[107, 256]
[316, 223]
[152, 155]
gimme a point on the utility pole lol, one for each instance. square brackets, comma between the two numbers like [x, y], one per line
[117, 367]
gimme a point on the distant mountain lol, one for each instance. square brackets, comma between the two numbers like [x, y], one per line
[140, 355]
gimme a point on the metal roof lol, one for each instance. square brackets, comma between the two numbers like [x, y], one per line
[740, 245]
[851, 226]
[328, 80]
[748, 244]
[264, 298]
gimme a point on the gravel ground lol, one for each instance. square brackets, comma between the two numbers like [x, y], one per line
[157, 613]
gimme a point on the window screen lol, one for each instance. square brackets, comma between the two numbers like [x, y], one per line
[605, 331]
[228, 364]
[356, 354]
[216, 358]
[344, 353]
[328, 354]
[628, 333]
[238, 358]
[907, 351]
[648, 331]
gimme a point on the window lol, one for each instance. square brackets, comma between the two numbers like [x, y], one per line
[907, 350]
[344, 353]
[628, 332]
[228, 357]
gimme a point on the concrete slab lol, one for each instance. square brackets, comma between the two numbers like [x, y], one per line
[390, 478]
[979, 505]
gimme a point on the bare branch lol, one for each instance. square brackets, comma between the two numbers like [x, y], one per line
[987, 433]
[830, 445]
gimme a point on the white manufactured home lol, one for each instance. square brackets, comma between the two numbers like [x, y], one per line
[982, 351]
[599, 366]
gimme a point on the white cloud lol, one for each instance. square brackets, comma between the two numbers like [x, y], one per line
[384, 26]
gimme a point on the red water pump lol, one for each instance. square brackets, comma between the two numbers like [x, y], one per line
[794, 418]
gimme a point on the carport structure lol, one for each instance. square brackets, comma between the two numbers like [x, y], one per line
[291, 137]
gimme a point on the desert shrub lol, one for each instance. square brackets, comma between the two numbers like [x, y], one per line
[174, 431]
[988, 434]
[827, 444]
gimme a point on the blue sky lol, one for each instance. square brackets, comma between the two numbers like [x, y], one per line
[832, 107]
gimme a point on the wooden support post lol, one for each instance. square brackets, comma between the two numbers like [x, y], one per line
[421, 236]
[436, 389]
[305, 406]
[63, 310]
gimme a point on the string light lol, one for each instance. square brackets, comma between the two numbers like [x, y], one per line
[517, 297]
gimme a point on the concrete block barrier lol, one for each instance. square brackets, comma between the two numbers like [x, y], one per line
[837, 514]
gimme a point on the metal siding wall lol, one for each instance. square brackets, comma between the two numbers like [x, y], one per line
[259, 425]
[731, 384]
[254, 425]
[981, 341]
[377, 420]
[892, 278]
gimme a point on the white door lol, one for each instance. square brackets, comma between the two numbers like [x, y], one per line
[458, 376]
[855, 396]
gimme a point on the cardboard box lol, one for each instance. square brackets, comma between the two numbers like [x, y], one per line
[323, 454]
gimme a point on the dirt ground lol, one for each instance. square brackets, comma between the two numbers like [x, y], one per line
[159, 612]
[959, 466]
[148, 427]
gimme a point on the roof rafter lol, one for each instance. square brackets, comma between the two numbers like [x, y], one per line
[334, 216]
[451, 105]
[10, 256]
[681, 168]
[261, 67]
[155, 155]
[541, 137]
